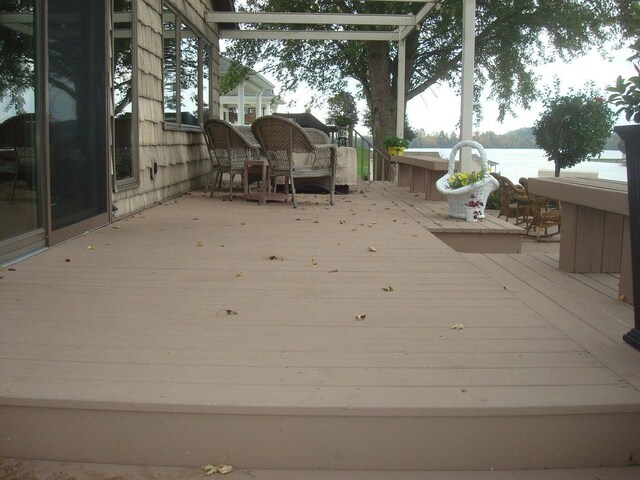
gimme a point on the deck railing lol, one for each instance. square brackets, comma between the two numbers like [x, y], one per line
[371, 160]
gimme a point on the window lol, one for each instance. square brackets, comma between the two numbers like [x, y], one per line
[124, 87]
[186, 71]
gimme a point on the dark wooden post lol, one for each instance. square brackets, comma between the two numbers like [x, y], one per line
[630, 134]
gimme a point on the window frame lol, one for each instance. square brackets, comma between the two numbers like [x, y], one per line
[134, 180]
[179, 20]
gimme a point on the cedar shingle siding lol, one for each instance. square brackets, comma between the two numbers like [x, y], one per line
[181, 156]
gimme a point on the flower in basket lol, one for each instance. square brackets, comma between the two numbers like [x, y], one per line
[476, 204]
[462, 179]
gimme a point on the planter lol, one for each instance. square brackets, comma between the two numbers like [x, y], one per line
[630, 134]
[472, 214]
[395, 151]
[459, 196]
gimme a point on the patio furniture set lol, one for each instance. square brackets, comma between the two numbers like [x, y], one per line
[534, 212]
[272, 148]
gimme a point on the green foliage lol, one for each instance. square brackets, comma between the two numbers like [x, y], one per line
[462, 179]
[236, 74]
[573, 127]
[393, 141]
[626, 93]
[343, 111]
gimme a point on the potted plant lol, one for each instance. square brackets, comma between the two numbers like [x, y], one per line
[459, 187]
[626, 96]
[395, 145]
[474, 209]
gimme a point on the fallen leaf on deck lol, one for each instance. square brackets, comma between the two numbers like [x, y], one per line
[388, 288]
[227, 312]
[199, 244]
[90, 247]
[457, 326]
[209, 469]
[221, 469]
[333, 271]
[224, 469]
[342, 222]
[241, 223]
[361, 317]
[66, 260]
[316, 221]
[117, 227]
[372, 249]
[353, 229]
[313, 262]
[194, 218]
[622, 297]
[239, 274]
[11, 269]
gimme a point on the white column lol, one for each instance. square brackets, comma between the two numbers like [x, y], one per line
[267, 110]
[259, 104]
[468, 64]
[241, 104]
[402, 49]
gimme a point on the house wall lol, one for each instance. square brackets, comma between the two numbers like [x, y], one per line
[181, 157]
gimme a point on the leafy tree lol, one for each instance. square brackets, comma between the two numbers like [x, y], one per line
[236, 74]
[512, 37]
[626, 93]
[573, 128]
[343, 111]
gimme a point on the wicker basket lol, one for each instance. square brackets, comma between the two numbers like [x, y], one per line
[459, 196]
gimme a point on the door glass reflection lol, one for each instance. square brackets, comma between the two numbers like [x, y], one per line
[19, 172]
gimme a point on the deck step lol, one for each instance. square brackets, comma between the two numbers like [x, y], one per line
[309, 439]
[43, 470]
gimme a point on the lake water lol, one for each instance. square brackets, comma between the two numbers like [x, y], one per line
[526, 162]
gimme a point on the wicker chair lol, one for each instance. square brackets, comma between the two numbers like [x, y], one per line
[228, 149]
[545, 213]
[514, 202]
[292, 154]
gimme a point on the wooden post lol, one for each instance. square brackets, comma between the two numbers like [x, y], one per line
[468, 63]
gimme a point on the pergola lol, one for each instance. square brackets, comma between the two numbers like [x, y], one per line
[404, 25]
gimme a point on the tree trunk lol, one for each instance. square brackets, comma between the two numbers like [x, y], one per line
[382, 102]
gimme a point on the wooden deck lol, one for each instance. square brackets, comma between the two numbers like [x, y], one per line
[204, 330]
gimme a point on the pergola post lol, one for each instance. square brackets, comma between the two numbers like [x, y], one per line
[468, 65]
[402, 55]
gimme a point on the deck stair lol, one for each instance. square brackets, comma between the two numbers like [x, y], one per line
[492, 235]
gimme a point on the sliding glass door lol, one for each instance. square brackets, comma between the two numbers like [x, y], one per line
[77, 104]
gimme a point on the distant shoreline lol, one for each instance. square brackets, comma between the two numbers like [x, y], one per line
[607, 160]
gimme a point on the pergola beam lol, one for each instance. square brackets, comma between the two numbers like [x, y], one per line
[308, 35]
[311, 18]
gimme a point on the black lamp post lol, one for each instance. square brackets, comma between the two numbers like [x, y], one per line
[630, 134]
